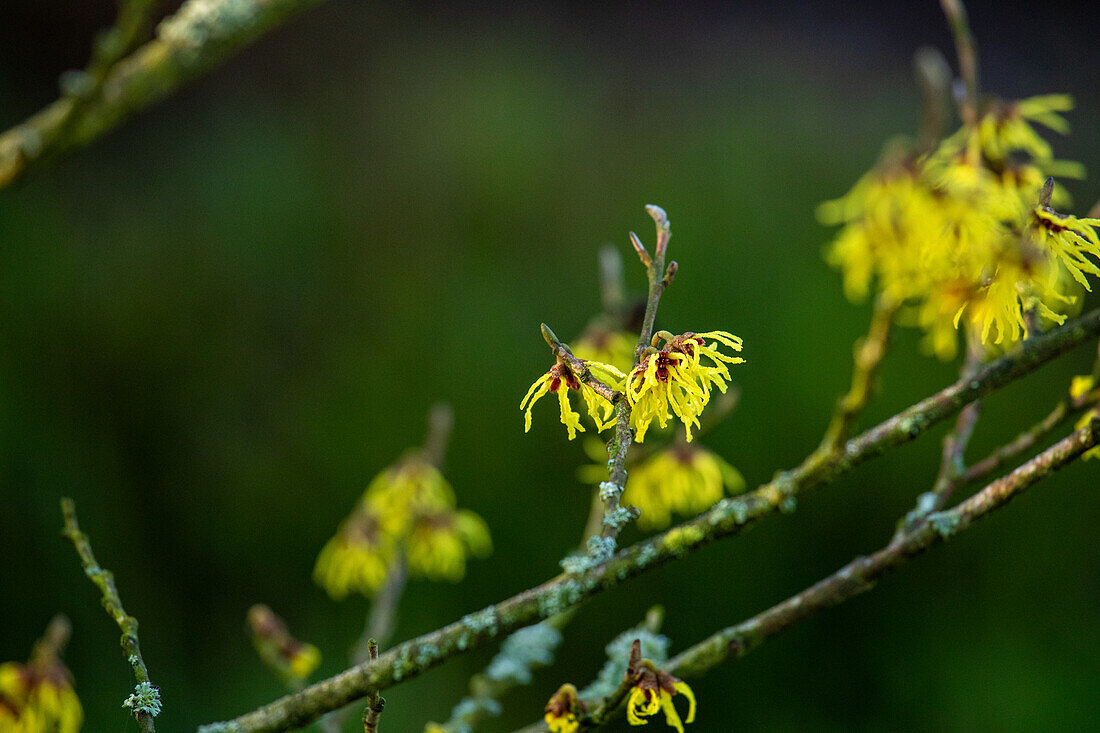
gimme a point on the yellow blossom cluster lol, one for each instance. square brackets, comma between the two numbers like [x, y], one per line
[685, 479]
[38, 697]
[407, 514]
[964, 236]
[675, 379]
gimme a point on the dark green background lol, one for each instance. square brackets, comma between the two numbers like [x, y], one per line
[219, 322]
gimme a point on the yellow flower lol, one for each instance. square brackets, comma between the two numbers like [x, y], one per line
[38, 697]
[1080, 386]
[1069, 239]
[560, 380]
[1005, 127]
[675, 381]
[438, 544]
[406, 489]
[304, 660]
[954, 237]
[407, 512]
[358, 558]
[685, 478]
[563, 710]
[653, 693]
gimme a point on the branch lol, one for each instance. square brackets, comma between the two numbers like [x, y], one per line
[967, 53]
[617, 449]
[1029, 438]
[580, 369]
[145, 701]
[201, 35]
[726, 518]
[862, 573]
[952, 462]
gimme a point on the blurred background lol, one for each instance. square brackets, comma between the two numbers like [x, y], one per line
[219, 322]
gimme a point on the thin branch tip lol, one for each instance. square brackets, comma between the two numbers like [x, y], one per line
[643, 253]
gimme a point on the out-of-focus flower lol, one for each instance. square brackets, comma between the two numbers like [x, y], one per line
[358, 558]
[438, 544]
[1005, 127]
[292, 659]
[406, 513]
[954, 235]
[686, 479]
[674, 380]
[38, 697]
[563, 712]
[405, 490]
[605, 346]
[561, 380]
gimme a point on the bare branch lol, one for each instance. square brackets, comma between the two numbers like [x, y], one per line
[146, 708]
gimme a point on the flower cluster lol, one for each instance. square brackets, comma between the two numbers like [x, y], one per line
[562, 380]
[38, 697]
[407, 513]
[686, 479]
[292, 659]
[675, 379]
[964, 236]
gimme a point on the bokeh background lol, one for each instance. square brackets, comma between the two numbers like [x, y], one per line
[220, 321]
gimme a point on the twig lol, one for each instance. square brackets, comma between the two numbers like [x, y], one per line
[727, 518]
[612, 291]
[659, 279]
[933, 76]
[441, 419]
[862, 573]
[952, 462]
[867, 358]
[1023, 442]
[580, 369]
[201, 35]
[375, 702]
[1026, 440]
[383, 613]
[611, 703]
[967, 52]
[145, 701]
